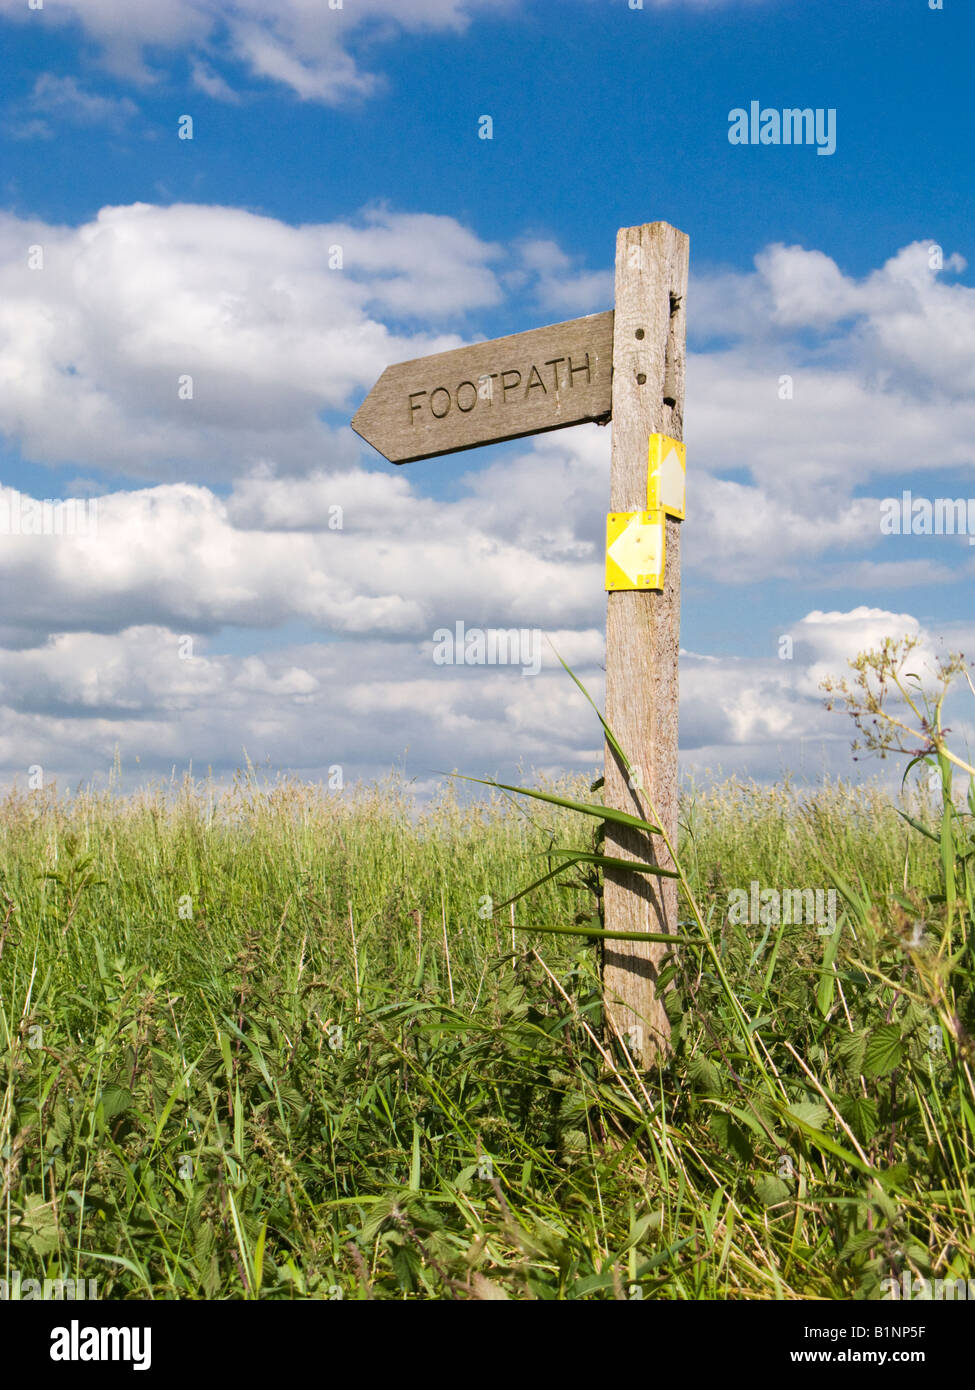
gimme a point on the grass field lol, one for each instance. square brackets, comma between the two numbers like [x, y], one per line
[268, 1045]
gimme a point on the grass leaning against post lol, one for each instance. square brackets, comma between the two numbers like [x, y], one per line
[600, 861]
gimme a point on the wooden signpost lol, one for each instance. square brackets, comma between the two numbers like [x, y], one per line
[627, 365]
[526, 383]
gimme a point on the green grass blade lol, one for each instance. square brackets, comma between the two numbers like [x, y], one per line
[609, 861]
[585, 808]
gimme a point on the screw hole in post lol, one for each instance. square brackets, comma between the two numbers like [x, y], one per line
[640, 333]
[641, 379]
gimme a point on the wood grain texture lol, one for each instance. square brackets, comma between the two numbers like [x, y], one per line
[643, 629]
[526, 383]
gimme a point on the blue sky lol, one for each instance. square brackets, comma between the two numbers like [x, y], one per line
[599, 111]
[208, 256]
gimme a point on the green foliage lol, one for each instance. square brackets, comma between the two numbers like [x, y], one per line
[272, 1044]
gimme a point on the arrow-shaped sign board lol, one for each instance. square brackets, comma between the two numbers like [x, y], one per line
[523, 384]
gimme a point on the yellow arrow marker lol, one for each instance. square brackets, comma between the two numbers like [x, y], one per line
[666, 475]
[635, 544]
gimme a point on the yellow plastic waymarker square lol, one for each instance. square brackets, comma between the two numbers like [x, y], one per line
[666, 475]
[635, 548]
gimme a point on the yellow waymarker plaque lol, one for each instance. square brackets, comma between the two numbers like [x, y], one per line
[666, 474]
[635, 544]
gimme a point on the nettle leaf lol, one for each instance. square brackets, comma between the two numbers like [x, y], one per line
[861, 1242]
[573, 1106]
[860, 1113]
[115, 1100]
[62, 1127]
[732, 1136]
[916, 1016]
[573, 1143]
[811, 1112]
[771, 1190]
[895, 1179]
[884, 1050]
[41, 1223]
[704, 1075]
[850, 1047]
[674, 1010]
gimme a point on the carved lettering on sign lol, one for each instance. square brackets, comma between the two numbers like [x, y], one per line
[516, 385]
[524, 384]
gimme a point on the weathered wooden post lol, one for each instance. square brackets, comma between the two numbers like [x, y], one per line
[643, 628]
[628, 365]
